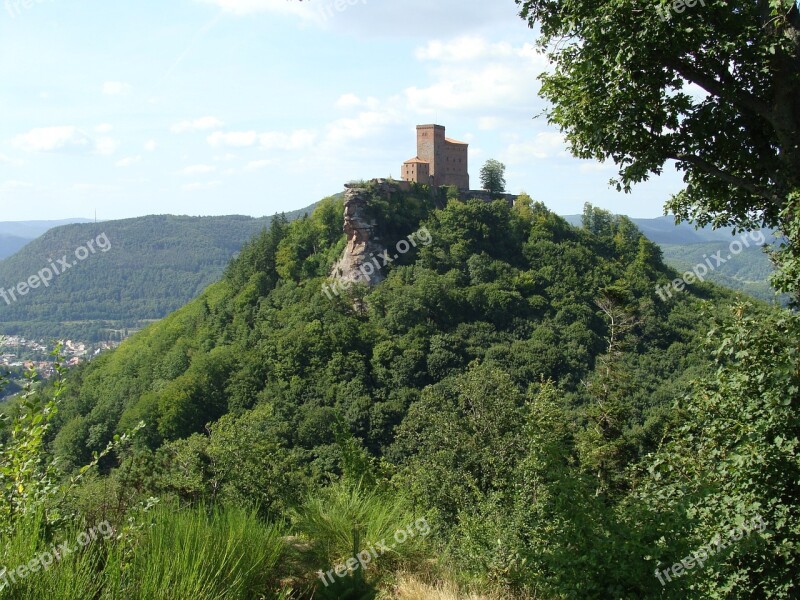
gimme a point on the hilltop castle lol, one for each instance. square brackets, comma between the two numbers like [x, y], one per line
[439, 160]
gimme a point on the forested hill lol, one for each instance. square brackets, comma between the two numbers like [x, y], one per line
[516, 289]
[515, 379]
[683, 247]
[15, 234]
[149, 267]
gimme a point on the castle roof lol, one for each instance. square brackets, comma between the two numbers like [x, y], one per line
[452, 141]
[416, 159]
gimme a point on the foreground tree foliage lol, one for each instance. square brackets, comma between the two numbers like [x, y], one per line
[513, 381]
[735, 459]
[714, 88]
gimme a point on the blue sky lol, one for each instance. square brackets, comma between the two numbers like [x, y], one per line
[210, 107]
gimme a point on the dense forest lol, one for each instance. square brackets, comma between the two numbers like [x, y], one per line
[159, 263]
[516, 384]
[515, 410]
[747, 272]
[153, 265]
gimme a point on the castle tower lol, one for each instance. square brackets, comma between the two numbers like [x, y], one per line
[446, 159]
[430, 147]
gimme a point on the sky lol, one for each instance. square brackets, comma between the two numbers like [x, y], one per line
[217, 107]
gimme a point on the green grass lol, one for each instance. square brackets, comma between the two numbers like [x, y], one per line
[226, 554]
[72, 578]
[344, 519]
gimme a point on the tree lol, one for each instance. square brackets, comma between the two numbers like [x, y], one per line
[734, 460]
[493, 177]
[461, 440]
[717, 91]
[523, 205]
[603, 447]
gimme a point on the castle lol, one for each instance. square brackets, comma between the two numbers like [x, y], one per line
[440, 161]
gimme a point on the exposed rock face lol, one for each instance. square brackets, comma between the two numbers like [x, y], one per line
[359, 263]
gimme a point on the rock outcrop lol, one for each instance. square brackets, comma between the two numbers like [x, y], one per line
[359, 262]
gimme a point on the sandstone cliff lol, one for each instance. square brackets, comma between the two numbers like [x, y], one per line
[363, 244]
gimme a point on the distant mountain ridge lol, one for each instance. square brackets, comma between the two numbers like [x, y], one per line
[11, 244]
[663, 230]
[15, 234]
[155, 265]
[684, 247]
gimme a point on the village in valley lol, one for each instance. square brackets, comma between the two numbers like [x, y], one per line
[18, 352]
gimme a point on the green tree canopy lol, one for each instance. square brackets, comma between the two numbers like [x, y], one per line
[713, 87]
[493, 176]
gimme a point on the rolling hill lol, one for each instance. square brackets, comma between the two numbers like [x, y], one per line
[153, 265]
[15, 234]
[684, 247]
[510, 373]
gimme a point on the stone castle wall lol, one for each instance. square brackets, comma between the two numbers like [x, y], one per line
[447, 160]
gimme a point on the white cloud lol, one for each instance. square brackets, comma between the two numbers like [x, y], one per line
[235, 139]
[297, 140]
[489, 123]
[347, 101]
[95, 187]
[464, 48]
[366, 123]
[103, 128]
[55, 139]
[128, 161]
[416, 18]
[198, 170]
[15, 185]
[225, 157]
[547, 144]
[270, 140]
[247, 7]
[106, 146]
[116, 88]
[150, 145]
[200, 124]
[257, 165]
[207, 185]
[472, 74]
[474, 88]
[5, 160]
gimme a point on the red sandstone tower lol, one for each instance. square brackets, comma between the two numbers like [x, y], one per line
[439, 160]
